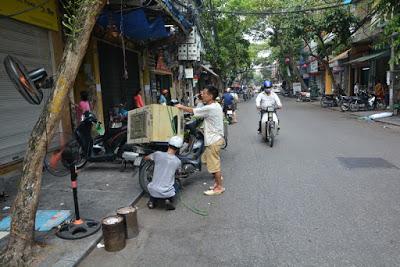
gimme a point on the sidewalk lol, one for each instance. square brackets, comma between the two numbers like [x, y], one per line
[102, 189]
[394, 120]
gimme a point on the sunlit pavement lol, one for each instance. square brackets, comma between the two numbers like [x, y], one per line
[327, 194]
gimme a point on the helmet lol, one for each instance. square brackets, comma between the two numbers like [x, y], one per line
[267, 84]
[176, 141]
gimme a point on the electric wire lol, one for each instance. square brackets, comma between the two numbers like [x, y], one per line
[278, 12]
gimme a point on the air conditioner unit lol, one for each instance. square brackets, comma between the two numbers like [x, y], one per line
[154, 123]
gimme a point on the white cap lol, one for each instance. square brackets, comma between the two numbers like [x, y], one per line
[176, 141]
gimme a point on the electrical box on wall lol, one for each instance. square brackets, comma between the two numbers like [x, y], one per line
[183, 52]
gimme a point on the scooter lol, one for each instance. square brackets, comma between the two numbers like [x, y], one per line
[363, 101]
[269, 125]
[229, 113]
[106, 147]
[190, 155]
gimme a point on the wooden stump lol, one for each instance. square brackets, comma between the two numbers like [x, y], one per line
[130, 220]
[114, 233]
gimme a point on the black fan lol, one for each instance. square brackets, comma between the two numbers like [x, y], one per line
[77, 228]
[28, 84]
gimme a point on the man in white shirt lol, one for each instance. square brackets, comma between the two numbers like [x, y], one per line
[213, 135]
[266, 99]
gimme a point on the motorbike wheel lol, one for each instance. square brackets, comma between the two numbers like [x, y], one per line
[271, 137]
[354, 108]
[81, 162]
[323, 103]
[344, 107]
[146, 174]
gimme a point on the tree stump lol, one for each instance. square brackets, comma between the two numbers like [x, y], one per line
[114, 233]
[130, 220]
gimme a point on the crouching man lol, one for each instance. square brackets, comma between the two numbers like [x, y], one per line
[165, 166]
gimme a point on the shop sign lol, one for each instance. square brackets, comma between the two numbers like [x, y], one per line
[44, 16]
[189, 73]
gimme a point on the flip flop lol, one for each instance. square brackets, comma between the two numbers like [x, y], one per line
[214, 193]
[212, 187]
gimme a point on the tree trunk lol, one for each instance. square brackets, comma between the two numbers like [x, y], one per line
[296, 72]
[21, 239]
[330, 73]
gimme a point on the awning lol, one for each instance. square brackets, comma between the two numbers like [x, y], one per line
[209, 70]
[369, 57]
[136, 26]
[177, 16]
[341, 56]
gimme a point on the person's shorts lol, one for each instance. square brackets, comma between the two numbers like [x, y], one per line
[211, 156]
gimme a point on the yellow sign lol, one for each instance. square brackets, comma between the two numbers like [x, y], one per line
[42, 13]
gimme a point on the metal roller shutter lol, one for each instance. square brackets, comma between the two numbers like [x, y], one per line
[31, 45]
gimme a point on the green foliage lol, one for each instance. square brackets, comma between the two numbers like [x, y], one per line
[71, 21]
[226, 48]
[390, 9]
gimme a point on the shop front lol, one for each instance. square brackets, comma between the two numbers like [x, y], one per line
[29, 38]
[119, 76]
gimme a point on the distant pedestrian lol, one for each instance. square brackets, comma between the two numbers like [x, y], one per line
[379, 90]
[163, 97]
[83, 105]
[137, 99]
[356, 88]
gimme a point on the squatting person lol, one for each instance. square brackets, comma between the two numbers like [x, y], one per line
[165, 166]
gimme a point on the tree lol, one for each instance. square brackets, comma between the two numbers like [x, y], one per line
[21, 239]
[390, 10]
[226, 48]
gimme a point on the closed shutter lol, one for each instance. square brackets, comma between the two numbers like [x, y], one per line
[31, 46]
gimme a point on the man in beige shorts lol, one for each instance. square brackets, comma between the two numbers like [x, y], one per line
[213, 135]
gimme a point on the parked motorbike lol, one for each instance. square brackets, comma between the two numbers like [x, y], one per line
[106, 147]
[333, 100]
[304, 97]
[328, 101]
[269, 125]
[363, 101]
[190, 155]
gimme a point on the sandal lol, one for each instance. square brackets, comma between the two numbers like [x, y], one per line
[213, 192]
[212, 187]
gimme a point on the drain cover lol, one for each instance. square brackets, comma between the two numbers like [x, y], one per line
[352, 163]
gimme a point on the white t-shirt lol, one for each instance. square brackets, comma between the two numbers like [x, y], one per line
[213, 122]
[263, 100]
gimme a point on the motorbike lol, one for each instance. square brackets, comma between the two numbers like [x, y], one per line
[106, 147]
[363, 101]
[269, 125]
[333, 100]
[190, 155]
[304, 97]
[229, 113]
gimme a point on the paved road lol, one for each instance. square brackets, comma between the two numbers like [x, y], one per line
[306, 202]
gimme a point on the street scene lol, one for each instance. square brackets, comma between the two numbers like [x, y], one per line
[199, 133]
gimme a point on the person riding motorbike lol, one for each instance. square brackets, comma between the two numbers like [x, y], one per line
[266, 99]
[228, 100]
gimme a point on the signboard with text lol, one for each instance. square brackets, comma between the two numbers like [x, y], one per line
[37, 13]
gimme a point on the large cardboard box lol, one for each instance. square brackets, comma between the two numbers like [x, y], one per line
[154, 123]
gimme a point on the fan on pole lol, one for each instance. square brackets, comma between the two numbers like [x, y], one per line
[78, 228]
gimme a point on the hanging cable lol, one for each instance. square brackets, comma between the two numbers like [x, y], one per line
[121, 29]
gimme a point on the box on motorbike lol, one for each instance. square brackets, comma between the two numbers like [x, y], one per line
[154, 123]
